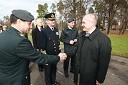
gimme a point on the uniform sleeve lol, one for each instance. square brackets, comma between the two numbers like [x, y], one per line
[63, 38]
[25, 50]
[104, 59]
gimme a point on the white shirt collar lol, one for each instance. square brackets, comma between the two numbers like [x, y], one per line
[0, 31]
[52, 28]
[39, 28]
[69, 27]
[92, 30]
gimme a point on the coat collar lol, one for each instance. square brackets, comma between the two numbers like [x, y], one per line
[18, 32]
[50, 28]
[92, 35]
[67, 28]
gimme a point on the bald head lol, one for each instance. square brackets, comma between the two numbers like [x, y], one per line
[91, 18]
[89, 22]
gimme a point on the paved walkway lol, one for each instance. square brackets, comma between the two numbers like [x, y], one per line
[117, 73]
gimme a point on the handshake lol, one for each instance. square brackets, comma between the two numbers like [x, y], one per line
[62, 56]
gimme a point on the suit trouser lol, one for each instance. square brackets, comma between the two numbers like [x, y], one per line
[50, 73]
[76, 73]
[40, 66]
[72, 63]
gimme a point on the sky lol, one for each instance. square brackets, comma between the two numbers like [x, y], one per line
[6, 6]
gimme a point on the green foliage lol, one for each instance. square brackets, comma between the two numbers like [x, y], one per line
[60, 6]
[42, 10]
[53, 7]
[119, 45]
[91, 10]
[6, 20]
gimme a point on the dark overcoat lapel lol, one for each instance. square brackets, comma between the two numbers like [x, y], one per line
[36, 38]
[53, 33]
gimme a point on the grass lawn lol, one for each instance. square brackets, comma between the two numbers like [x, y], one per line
[119, 45]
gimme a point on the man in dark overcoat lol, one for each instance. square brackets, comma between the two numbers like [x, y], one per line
[16, 51]
[50, 43]
[94, 51]
[36, 36]
[69, 38]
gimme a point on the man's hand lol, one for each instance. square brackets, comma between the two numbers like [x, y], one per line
[97, 83]
[75, 40]
[62, 56]
[71, 42]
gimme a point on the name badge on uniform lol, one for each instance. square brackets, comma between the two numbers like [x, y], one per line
[57, 33]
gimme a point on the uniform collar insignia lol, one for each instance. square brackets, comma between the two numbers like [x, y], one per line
[21, 34]
[52, 16]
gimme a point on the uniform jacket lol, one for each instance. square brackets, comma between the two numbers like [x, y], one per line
[50, 40]
[36, 38]
[93, 57]
[67, 35]
[16, 51]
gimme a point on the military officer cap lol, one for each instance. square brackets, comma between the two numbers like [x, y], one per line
[23, 15]
[50, 16]
[70, 20]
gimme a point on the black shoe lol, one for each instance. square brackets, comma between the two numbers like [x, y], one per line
[72, 71]
[66, 74]
[41, 69]
[56, 83]
[75, 83]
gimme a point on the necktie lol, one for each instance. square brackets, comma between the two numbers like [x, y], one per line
[87, 34]
[52, 29]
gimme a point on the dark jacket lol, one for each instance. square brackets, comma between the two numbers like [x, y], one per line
[50, 40]
[36, 38]
[93, 57]
[16, 51]
[67, 35]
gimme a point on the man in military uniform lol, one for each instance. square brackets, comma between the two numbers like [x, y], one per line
[69, 38]
[50, 43]
[16, 51]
